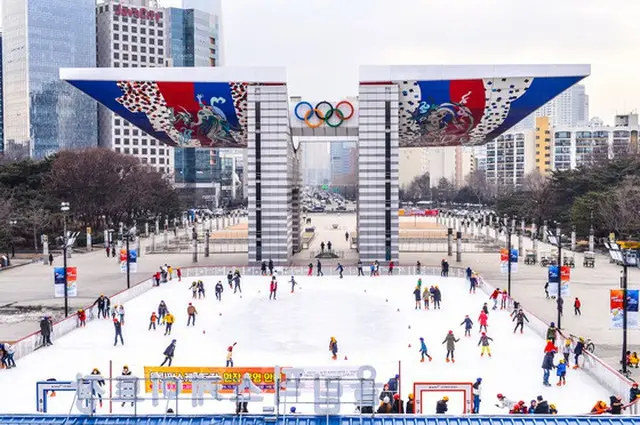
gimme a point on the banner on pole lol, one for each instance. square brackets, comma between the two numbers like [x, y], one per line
[133, 260]
[559, 274]
[616, 308]
[58, 282]
[230, 377]
[505, 258]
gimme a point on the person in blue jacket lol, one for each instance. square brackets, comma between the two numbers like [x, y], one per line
[469, 272]
[577, 351]
[393, 384]
[340, 269]
[561, 371]
[423, 350]
[468, 325]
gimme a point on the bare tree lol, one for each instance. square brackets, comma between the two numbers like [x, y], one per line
[620, 208]
[37, 218]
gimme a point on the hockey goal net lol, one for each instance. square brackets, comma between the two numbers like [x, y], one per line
[427, 394]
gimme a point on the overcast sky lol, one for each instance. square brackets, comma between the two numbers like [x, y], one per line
[322, 42]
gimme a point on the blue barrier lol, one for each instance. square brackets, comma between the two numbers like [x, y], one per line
[316, 420]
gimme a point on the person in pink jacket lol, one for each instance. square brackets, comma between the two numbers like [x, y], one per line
[483, 319]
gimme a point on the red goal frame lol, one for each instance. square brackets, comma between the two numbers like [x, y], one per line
[466, 388]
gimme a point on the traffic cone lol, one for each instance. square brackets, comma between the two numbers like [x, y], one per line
[345, 357]
[409, 326]
[409, 345]
[398, 309]
[203, 332]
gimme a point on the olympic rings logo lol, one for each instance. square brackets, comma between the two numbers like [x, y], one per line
[324, 111]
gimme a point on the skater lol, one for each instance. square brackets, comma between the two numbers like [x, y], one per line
[634, 392]
[437, 297]
[566, 351]
[504, 402]
[519, 318]
[483, 319]
[398, 404]
[201, 289]
[194, 289]
[561, 371]
[270, 266]
[468, 273]
[444, 264]
[360, 271]
[577, 351]
[468, 325]
[333, 347]
[7, 352]
[386, 392]
[263, 268]
[552, 332]
[82, 318]
[236, 282]
[230, 279]
[169, 320]
[169, 352]
[576, 307]
[547, 365]
[152, 321]
[504, 297]
[273, 288]
[477, 394]
[473, 283]
[418, 270]
[546, 290]
[550, 346]
[423, 351]
[419, 284]
[450, 340]
[162, 311]
[372, 270]
[484, 341]
[126, 372]
[293, 283]
[121, 314]
[393, 383]
[179, 274]
[390, 271]
[385, 406]
[615, 405]
[46, 327]
[340, 269]
[96, 372]
[319, 268]
[485, 308]
[102, 306]
[118, 328]
[494, 297]
[230, 355]
[441, 406]
[425, 298]
[219, 288]
[411, 405]
[310, 271]
[191, 312]
[418, 297]
[542, 407]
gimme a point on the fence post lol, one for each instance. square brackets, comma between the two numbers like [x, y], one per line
[449, 241]
[458, 247]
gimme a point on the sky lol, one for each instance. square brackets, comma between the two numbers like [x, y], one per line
[323, 42]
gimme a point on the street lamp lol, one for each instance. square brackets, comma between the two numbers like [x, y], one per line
[64, 207]
[507, 229]
[555, 239]
[129, 236]
[624, 258]
[12, 224]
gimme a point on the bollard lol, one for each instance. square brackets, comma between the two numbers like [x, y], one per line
[487, 230]
[573, 238]
[166, 240]
[217, 223]
[458, 247]
[534, 231]
[490, 220]
[520, 244]
[449, 241]
[195, 250]
[592, 242]
[545, 228]
[146, 229]
[153, 242]
[157, 228]
[535, 250]
[206, 244]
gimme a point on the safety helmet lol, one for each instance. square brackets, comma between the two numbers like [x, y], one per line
[561, 360]
[410, 396]
[396, 396]
[293, 409]
[500, 396]
[567, 342]
[552, 324]
[445, 398]
[125, 367]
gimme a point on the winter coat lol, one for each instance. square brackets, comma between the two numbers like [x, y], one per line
[547, 362]
[340, 269]
[484, 341]
[162, 309]
[505, 402]
[437, 295]
[398, 405]
[169, 318]
[417, 294]
[520, 317]
[577, 303]
[273, 286]
[384, 408]
[333, 346]
[45, 327]
[551, 333]
[485, 309]
[82, 315]
[615, 408]
[236, 279]
[393, 385]
[633, 394]
[170, 350]
[451, 342]
[101, 301]
[425, 294]
[411, 407]
[384, 394]
[477, 389]
[566, 349]
[423, 347]
[483, 318]
[550, 347]
[579, 348]
[441, 407]
[229, 277]
[117, 325]
[469, 271]
[494, 295]
[468, 324]
[219, 288]
[561, 369]
[153, 318]
[542, 408]
[191, 310]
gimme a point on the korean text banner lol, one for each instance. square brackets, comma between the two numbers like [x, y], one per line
[616, 308]
[58, 282]
[231, 377]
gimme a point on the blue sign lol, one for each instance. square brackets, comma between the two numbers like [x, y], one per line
[514, 255]
[632, 300]
[58, 274]
[554, 274]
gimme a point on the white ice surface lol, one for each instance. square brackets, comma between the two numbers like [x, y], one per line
[362, 313]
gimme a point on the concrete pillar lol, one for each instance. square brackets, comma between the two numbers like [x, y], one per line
[535, 250]
[449, 241]
[206, 243]
[592, 241]
[520, 244]
[166, 239]
[523, 227]
[146, 229]
[121, 228]
[45, 245]
[153, 242]
[487, 230]
[217, 223]
[545, 229]
[534, 230]
[513, 225]
[89, 242]
[573, 238]
[458, 247]
[490, 219]
[157, 228]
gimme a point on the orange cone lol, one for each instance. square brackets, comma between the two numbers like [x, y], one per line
[345, 357]
[203, 331]
[409, 345]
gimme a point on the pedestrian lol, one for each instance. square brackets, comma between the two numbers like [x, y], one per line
[169, 352]
[423, 351]
[218, 289]
[102, 306]
[390, 271]
[578, 351]
[418, 267]
[333, 347]
[437, 297]
[7, 358]
[51, 258]
[576, 307]
[162, 311]
[450, 340]
[411, 405]
[310, 271]
[270, 266]
[552, 332]
[340, 269]
[169, 320]
[152, 321]
[473, 283]
[319, 268]
[477, 394]
[519, 318]
[441, 406]
[263, 268]
[494, 297]
[118, 328]
[547, 365]
[179, 274]
[542, 407]
[201, 289]
[191, 312]
[398, 404]
[293, 283]
[273, 288]
[346, 236]
[484, 342]
[560, 302]
[483, 320]
[425, 298]
[82, 318]
[566, 351]
[561, 371]
[230, 279]
[230, 355]
[468, 325]
[360, 271]
[236, 282]
[504, 297]
[546, 290]
[322, 246]
[46, 328]
[418, 298]
[121, 314]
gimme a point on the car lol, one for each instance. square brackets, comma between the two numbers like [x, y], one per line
[341, 208]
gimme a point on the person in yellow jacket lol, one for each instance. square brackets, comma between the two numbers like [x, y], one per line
[333, 347]
[169, 320]
[170, 272]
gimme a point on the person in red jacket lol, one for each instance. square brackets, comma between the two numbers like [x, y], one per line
[390, 267]
[483, 319]
[494, 297]
[82, 318]
[179, 273]
[576, 307]
[550, 346]
[273, 288]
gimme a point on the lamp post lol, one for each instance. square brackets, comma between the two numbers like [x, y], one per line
[64, 207]
[507, 229]
[12, 224]
[622, 257]
[556, 240]
[128, 235]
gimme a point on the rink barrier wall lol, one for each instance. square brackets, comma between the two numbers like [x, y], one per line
[604, 374]
[317, 420]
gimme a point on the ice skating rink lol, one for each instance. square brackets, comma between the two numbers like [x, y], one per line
[373, 319]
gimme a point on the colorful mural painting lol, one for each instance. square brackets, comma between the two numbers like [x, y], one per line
[470, 112]
[183, 114]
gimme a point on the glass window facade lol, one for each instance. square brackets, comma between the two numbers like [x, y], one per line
[48, 114]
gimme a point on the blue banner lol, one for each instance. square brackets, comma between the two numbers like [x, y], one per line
[554, 274]
[514, 255]
[58, 275]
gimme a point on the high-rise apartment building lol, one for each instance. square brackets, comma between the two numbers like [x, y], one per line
[344, 159]
[131, 34]
[509, 158]
[543, 145]
[413, 162]
[570, 108]
[43, 114]
[315, 164]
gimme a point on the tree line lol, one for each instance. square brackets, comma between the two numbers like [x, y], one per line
[102, 187]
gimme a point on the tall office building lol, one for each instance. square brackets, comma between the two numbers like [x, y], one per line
[316, 164]
[131, 34]
[43, 114]
[343, 157]
[413, 162]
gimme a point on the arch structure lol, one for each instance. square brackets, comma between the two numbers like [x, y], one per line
[397, 107]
